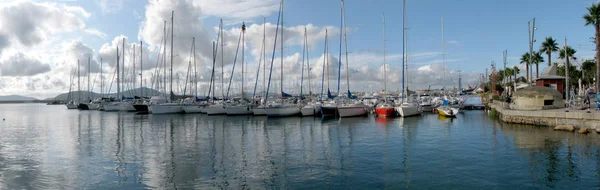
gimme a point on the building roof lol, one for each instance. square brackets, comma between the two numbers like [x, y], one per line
[550, 73]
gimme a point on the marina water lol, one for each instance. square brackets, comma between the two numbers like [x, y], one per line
[49, 147]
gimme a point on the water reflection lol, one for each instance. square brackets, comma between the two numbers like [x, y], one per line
[122, 150]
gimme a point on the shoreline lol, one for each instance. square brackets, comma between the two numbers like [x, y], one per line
[552, 118]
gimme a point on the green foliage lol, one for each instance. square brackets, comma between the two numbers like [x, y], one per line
[569, 51]
[593, 16]
[494, 114]
[548, 47]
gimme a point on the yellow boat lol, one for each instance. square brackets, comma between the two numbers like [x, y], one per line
[447, 111]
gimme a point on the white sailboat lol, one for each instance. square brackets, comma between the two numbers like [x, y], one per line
[72, 104]
[217, 107]
[240, 106]
[91, 104]
[281, 108]
[349, 107]
[120, 104]
[310, 108]
[408, 106]
[170, 106]
[259, 108]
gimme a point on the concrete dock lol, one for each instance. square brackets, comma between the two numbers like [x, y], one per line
[552, 118]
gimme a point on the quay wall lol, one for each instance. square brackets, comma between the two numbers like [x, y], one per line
[552, 118]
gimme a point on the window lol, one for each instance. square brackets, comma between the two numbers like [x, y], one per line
[548, 102]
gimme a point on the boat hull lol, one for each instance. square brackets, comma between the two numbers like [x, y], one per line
[71, 106]
[427, 108]
[448, 112]
[384, 111]
[165, 109]
[329, 111]
[282, 111]
[215, 110]
[82, 106]
[352, 111]
[193, 109]
[239, 110]
[142, 108]
[407, 111]
[310, 110]
[259, 111]
[125, 107]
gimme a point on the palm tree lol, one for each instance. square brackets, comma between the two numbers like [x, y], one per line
[515, 72]
[569, 52]
[593, 18]
[508, 74]
[525, 60]
[536, 59]
[549, 46]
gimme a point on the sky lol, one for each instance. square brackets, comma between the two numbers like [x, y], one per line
[42, 41]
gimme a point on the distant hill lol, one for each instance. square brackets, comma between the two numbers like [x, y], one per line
[84, 94]
[16, 98]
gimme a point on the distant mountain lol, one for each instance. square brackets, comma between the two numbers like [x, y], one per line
[85, 94]
[16, 98]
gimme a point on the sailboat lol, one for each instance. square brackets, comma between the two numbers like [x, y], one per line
[329, 109]
[280, 108]
[194, 106]
[242, 106]
[385, 109]
[72, 104]
[170, 106]
[311, 108]
[91, 104]
[349, 107]
[259, 108]
[217, 107]
[446, 109]
[122, 104]
[408, 106]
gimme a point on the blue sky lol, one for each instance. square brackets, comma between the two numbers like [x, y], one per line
[476, 32]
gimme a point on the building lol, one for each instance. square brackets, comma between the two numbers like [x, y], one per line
[551, 80]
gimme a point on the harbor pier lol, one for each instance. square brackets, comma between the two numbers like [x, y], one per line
[551, 117]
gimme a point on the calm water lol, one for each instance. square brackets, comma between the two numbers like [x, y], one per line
[49, 147]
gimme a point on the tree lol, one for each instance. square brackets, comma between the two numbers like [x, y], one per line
[587, 68]
[593, 18]
[548, 47]
[525, 60]
[567, 52]
[508, 73]
[516, 71]
[537, 59]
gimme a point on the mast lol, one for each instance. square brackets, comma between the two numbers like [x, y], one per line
[346, 49]
[264, 56]
[282, 42]
[384, 66]
[165, 57]
[101, 81]
[324, 61]
[243, 46]
[340, 54]
[88, 77]
[118, 78]
[222, 60]
[133, 77]
[123, 65]
[195, 70]
[78, 83]
[171, 70]
[443, 55]
[403, 44]
[141, 70]
[308, 66]
[274, 48]
[303, 52]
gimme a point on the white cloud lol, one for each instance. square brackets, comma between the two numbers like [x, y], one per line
[236, 9]
[19, 64]
[95, 32]
[110, 6]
